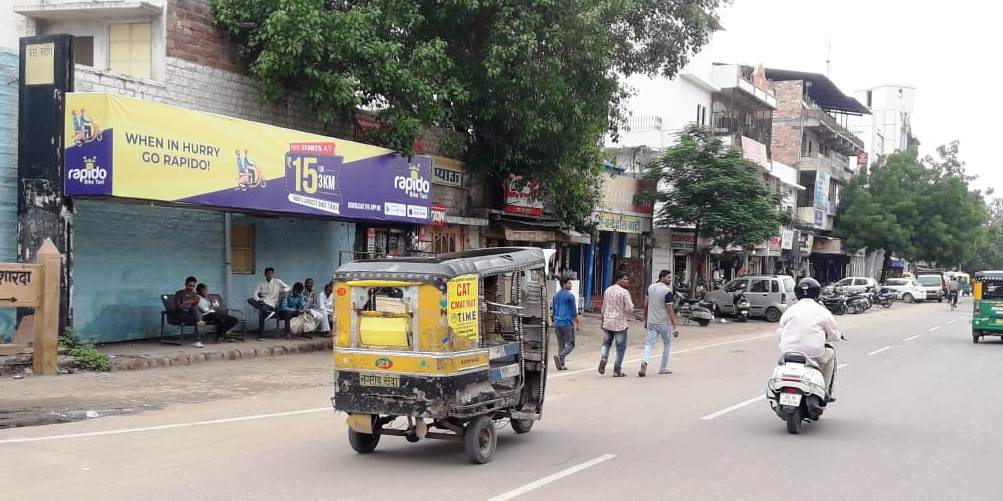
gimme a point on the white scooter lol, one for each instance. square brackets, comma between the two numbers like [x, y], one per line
[796, 390]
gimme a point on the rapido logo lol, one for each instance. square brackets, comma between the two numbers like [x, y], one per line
[415, 185]
[91, 173]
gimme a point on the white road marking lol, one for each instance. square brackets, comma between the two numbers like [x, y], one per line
[910, 338]
[551, 478]
[952, 321]
[674, 352]
[122, 431]
[735, 407]
[840, 366]
[934, 328]
[879, 350]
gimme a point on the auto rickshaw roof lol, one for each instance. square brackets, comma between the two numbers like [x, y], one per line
[481, 261]
[989, 275]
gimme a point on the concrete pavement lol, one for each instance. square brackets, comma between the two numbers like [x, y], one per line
[914, 420]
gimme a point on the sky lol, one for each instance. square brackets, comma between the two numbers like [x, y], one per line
[949, 51]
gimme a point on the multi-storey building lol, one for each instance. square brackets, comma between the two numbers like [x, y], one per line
[810, 132]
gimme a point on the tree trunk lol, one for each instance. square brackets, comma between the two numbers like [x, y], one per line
[885, 263]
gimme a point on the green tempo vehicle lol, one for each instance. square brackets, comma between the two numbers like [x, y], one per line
[987, 318]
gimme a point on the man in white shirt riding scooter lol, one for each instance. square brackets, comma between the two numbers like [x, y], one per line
[806, 326]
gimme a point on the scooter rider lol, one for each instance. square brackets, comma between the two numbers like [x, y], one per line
[806, 327]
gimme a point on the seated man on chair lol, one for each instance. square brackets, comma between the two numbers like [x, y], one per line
[266, 297]
[211, 312]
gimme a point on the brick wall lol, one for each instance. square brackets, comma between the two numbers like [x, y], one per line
[192, 36]
[8, 175]
[789, 99]
[785, 144]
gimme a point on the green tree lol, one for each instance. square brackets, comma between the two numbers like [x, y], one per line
[707, 185]
[527, 88]
[880, 207]
[917, 209]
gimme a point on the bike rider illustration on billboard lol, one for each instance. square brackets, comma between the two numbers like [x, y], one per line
[84, 129]
[248, 174]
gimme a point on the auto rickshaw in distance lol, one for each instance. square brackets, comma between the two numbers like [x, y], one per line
[987, 296]
[442, 347]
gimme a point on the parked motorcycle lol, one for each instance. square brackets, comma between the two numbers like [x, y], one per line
[692, 309]
[858, 302]
[743, 308]
[836, 303]
[884, 297]
[796, 390]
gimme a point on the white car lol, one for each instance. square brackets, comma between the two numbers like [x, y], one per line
[850, 285]
[906, 289]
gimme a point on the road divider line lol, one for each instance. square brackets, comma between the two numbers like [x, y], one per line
[935, 327]
[879, 350]
[952, 321]
[190, 424]
[910, 338]
[840, 366]
[674, 352]
[735, 407]
[505, 496]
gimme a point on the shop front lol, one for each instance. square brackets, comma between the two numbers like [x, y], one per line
[828, 261]
[162, 192]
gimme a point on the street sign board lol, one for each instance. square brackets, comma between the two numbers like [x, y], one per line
[20, 284]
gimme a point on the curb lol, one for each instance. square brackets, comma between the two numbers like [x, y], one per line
[140, 362]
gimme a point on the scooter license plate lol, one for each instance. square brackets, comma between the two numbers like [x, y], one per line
[791, 399]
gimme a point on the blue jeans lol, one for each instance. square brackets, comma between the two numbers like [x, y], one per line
[654, 332]
[621, 347]
[263, 311]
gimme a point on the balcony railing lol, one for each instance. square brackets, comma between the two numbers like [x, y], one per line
[844, 141]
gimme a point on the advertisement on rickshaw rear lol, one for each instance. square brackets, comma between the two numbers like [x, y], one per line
[461, 296]
[123, 147]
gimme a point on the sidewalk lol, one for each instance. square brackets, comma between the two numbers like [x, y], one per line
[182, 374]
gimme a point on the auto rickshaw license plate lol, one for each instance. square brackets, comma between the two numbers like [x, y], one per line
[999, 321]
[381, 380]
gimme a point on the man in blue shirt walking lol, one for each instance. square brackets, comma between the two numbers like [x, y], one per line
[565, 322]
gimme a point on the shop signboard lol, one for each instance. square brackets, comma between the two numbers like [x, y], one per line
[775, 243]
[822, 190]
[628, 194]
[129, 148]
[684, 241]
[620, 223]
[523, 197]
[438, 214]
[787, 239]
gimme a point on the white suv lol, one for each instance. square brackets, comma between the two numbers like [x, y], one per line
[906, 289]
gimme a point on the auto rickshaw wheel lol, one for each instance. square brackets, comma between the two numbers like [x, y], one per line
[522, 425]
[480, 439]
[975, 337]
[363, 443]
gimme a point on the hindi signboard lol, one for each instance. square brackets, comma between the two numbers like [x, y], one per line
[19, 284]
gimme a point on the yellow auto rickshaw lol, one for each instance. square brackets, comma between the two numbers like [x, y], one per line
[442, 347]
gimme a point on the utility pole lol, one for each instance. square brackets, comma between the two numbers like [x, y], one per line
[828, 58]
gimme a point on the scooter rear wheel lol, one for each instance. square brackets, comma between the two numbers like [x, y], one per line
[794, 422]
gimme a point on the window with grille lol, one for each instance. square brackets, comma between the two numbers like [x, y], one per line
[242, 248]
[443, 243]
[129, 49]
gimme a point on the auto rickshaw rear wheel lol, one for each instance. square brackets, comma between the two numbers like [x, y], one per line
[522, 425]
[480, 439]
[363, 443]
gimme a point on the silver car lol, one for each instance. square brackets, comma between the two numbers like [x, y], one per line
[769, 295]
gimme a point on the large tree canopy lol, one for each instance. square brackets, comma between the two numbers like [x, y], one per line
[707, 185]
[527, 88]
[918, 209]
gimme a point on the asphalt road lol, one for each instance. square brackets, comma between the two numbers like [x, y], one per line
[915, 420]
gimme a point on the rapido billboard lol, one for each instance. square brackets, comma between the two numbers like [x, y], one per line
[123, 147]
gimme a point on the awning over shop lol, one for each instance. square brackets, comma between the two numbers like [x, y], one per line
[134, 149]
[573, 237]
